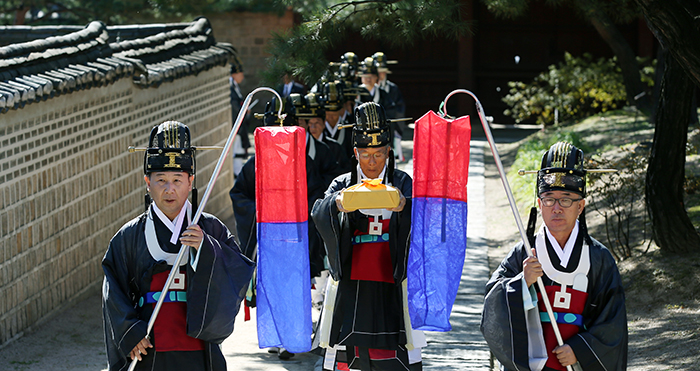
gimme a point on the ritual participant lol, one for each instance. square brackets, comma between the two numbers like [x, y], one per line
[581, 279]
[289, 86]
[311, 114]
[335, 116]
[367, 249]
[321, 168]
[241, 142]
[204, 298]
[370, 82]
[395, 105]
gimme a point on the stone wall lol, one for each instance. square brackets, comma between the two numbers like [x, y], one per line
[250, 33]
[67, 183]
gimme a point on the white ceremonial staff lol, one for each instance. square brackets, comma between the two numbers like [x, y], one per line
[513, 206]
[200, 209]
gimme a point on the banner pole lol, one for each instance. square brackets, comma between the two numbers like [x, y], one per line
[200, 209]
[513, 206]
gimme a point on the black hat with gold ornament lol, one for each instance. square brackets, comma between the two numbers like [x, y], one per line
[170, 149]
[289, 112]
[371, 127]
[382, 62]
[562, 170]
[333, 95]
[309, 106]
[351, 59]
[235, 64]
[368, 67]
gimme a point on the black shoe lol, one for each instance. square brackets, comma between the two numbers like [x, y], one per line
[284, 354]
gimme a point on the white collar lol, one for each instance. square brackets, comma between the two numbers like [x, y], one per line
[176, 225]
[332, 130]
[565, 253]
[578, 278]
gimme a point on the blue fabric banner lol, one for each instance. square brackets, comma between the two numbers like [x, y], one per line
[435, 260]
[284, 287]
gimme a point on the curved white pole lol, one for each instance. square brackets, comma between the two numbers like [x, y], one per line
[200, 209]
[513, 206]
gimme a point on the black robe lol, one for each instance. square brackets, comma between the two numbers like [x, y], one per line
[339, 153]
[321, 168]
[214, 293]
[344, 137]
[368, 314]
[237, 100]
[600, 345]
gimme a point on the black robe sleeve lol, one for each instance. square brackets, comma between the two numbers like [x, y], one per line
[122, 326]
[327, 219]
[600, 345]
[400, 228]
[243, 199]
[219, 284]
[214, 291]
[503, 316]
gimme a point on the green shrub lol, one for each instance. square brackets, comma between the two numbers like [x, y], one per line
[576, 88]
[529, 157]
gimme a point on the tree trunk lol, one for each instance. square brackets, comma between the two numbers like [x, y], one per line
[20, 14]
[623, 51]
[675, 25]
[671, 228]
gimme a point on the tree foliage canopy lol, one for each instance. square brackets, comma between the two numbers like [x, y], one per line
[41, 12]
[397, 22]
[622, 11]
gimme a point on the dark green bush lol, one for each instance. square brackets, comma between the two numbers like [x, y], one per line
[576, 88]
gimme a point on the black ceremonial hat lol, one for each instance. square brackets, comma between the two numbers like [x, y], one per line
[381, 62]
[309, 106]
[333, 95]
[371, 127]
[235, 64]
[169, 149]
[289, 109]
[562, 170]
[368, 67]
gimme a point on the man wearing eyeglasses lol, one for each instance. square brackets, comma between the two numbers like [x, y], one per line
[580, 276]
[363, 325]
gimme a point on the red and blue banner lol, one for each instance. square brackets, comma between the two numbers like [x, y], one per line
[283, 280]
[439, 219]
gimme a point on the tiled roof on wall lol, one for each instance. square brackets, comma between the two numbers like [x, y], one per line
[40, 69]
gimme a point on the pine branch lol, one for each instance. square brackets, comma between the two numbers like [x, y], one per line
[397, 22]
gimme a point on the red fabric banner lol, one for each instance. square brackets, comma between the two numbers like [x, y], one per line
[441, 157]
[280, 174]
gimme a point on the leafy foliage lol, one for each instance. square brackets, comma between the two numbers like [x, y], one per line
[397, 22]
[42, 12]
[617, 197]
[622, 11]
[574, 89]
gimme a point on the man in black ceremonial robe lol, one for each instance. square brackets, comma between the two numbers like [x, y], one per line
[580, 275]
[363, 324]
[202, 303]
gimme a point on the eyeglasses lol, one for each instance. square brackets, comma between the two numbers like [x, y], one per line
[378, 156]
[564, 202]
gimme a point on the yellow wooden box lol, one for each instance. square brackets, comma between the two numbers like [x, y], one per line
[370, 194]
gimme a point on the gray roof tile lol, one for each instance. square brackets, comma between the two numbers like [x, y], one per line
[98, 55]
